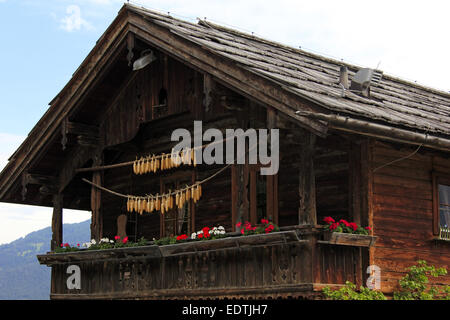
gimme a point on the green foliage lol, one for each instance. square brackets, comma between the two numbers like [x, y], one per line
[165, 241]
[104, 243]
[415, 285]
[349, 292]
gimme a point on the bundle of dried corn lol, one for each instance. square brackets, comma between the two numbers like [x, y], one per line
[164, 202]
[164, 161]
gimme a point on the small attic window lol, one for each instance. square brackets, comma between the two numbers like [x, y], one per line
[161, 108]
[162, 97]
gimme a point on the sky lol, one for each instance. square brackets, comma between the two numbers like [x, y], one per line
[43, 43]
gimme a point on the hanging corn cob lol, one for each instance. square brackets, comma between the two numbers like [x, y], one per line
[164, 161]
[164, 202]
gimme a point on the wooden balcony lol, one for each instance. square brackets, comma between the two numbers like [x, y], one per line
[291, 263]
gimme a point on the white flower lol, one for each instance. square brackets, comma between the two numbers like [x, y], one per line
[93, 241]
[222, 232]
[86, 244]
[221, 228]
[193, 235]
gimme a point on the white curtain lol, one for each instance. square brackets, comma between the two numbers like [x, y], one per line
[444, 205]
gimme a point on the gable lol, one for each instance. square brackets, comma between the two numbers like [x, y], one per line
[301, 86]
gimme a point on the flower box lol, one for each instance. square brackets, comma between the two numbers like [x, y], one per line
[349, 239]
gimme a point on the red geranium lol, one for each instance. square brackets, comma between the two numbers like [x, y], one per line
[353, 225]
[328, 220]
[345, 227]
[269, 228]
[182, 237]
[125, 240]
[265, 221]
[344, 222]
[334, 225]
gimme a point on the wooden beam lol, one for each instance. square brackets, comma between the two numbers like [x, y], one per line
[78, 158]
[96, 202]
[307, 186]
[57, 222]
[75, 128]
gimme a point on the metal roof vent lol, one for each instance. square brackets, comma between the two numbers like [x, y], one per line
[361, 82]
[363, 79]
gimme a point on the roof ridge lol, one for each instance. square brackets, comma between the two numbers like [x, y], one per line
[320, 56]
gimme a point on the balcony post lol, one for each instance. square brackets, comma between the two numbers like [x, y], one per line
[96, 200]
[307, 185]
[57, 230]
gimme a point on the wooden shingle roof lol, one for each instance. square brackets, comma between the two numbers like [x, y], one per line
[393, 102]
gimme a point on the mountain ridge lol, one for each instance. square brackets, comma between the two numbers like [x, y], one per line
[21, 275]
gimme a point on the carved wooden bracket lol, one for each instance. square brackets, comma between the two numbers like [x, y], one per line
[48, 183]
[87, 135]
[130, 47]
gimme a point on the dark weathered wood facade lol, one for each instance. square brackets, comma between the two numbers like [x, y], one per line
[333, 162]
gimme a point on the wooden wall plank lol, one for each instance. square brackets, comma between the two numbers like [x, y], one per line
[402, 209]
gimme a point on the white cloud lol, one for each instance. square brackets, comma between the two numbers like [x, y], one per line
[8, 144]
[20, 220]
[73, 21]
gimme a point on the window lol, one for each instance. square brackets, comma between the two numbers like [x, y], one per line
[444, 205]
[261, 192]
[441, 205]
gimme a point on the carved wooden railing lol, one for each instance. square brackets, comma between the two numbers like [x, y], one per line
[282, 264]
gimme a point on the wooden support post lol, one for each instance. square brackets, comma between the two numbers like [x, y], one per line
[240, 196]
[355, 183]
[96, 200]
[57, 223]
[207, 92]
[272, 180]
[307, 185]
[360, 187]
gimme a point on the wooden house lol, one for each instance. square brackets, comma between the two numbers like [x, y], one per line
[354, 144]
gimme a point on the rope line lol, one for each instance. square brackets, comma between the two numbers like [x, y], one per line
[160, 195]
[154, 157]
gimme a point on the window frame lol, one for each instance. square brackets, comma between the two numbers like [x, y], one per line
[176, 177]
[438, 178]
[250, 172]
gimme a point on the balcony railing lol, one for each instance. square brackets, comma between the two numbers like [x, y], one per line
[290, 263]
[444, 233]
